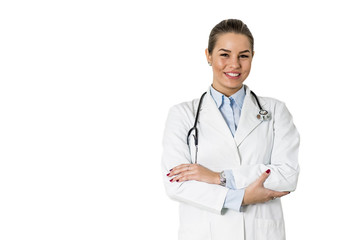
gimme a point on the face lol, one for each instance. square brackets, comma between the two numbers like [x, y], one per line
[231, 62]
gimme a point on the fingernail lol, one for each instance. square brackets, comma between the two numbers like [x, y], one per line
[170, 170]
[177, 180]
[171, 180]
[168, 174]
[268, 171]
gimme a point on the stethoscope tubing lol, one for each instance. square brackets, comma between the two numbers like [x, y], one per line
[195, 123]
[263, 115]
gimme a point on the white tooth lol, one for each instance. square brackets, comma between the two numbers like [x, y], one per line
[233, 74]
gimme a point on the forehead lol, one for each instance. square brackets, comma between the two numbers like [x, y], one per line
[232, 41]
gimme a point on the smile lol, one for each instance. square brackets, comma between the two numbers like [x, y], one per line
[232, 75]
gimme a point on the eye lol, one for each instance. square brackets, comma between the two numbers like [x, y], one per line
[224, 55]
[243, 56]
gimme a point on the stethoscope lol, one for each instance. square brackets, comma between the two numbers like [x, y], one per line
[263, 115]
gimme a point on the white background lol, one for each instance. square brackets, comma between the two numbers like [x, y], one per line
[85, 87]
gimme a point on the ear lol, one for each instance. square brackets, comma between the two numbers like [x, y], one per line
[253, 53]
[208, 56]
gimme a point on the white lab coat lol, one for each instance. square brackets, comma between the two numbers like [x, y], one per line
[256, 146]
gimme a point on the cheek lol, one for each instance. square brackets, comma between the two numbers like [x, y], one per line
[246, 65]
[219, 65]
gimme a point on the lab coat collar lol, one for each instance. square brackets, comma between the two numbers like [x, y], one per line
[248, 120]
[219, 97]
[247, 123]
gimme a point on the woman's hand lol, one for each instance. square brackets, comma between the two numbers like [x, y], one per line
[185, 172]
[256, 193]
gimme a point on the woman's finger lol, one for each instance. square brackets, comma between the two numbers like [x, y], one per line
[275, 194]
[179, 169]
[263, 177]
[184, 176]
[186, 172]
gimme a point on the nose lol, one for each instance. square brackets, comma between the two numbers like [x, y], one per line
[235, 62]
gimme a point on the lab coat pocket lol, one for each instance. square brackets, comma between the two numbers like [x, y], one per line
[268, 229]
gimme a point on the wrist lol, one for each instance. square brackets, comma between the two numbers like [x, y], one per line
[216, 178]
[244, 202]
[222, 178]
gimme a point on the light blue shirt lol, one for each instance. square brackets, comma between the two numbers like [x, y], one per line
[230, 108]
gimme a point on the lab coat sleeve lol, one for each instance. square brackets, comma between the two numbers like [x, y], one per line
[284, 156]
[234, 197]
[175, 152]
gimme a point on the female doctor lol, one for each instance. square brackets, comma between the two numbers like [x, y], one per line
[230, 156]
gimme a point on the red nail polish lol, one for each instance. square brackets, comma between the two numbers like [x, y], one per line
[170, 170]
[177, 180]
[171, 180]
[268, 171]
[168, 174]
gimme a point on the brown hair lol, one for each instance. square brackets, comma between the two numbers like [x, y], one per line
[229, 26]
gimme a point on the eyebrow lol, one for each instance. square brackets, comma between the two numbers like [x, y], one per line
[226, 50]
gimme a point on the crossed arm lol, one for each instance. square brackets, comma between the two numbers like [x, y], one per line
[254, 193]
[197, 185]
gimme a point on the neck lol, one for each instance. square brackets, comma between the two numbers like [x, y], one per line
[226, 91]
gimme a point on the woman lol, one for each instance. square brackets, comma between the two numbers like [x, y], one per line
[230, 185]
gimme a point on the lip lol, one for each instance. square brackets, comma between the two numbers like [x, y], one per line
[232, 77]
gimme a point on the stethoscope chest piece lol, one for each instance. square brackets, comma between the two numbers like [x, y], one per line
[263, 115]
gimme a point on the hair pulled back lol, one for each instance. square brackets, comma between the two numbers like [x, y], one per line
[229, 26]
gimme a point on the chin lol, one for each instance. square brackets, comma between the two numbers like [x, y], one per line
[237, 85]
[229, 85]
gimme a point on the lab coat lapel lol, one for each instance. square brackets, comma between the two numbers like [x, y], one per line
[211, 115]
[248, 121]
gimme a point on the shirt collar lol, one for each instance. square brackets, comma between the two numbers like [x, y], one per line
[219, 97]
